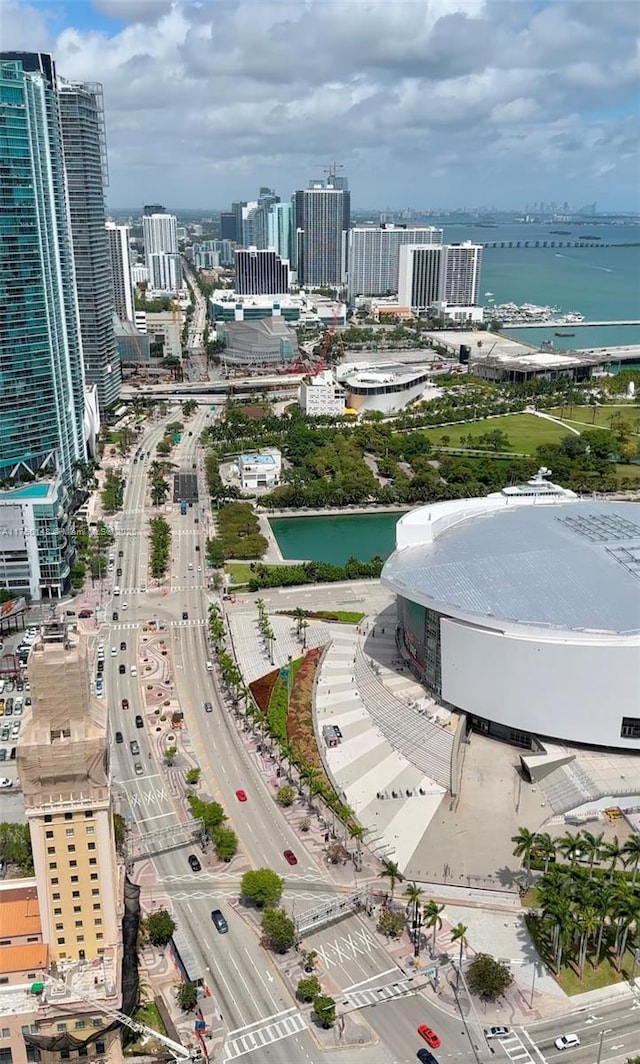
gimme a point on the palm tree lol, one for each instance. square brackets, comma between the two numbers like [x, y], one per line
[570, 847]
[391, 872]
[357, 832]
[545, 847]
[431, 916]
[459, 935]
[299, 616]
[612, 852]
[311, 777]
[413, 893]
[592, 845]
[587, 923]
[525, 843]
[631, 855]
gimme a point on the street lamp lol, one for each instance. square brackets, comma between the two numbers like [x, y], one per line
[454, 987]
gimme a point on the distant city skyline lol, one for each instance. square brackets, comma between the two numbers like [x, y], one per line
[449, 104]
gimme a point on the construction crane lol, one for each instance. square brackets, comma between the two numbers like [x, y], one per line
[332, 170]
[320, 362]
[180, 1052]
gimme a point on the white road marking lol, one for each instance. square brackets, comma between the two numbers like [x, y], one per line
[265, 1035]
[378, 975]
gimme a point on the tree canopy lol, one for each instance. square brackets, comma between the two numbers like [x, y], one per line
[487, 977]
[262, 886]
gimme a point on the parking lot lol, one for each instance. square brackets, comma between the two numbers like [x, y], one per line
[14, 699]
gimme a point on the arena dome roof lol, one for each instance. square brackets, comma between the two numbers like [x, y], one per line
[571, 565]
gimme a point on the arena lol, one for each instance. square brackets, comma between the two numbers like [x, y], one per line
[522, 610]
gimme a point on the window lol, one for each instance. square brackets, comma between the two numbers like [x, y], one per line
[94, 875]
[630, 728]
[96, 1021]
[48, 834]
[4, 979]
[78, 923]
[5, 942]
[99, 1047]
[48, 818]
[96, 906]
[71, 848]
[6, 1056]
[51, 849]
[83, 1051]
[5, 1031]
[90, 829]
[80, 1025]
[74, 879]
[93, 861]
[53, 865]
[68, 816]
[55, 897]
[88, 812]
[75, 893]
[73, 864]
[54, 882]
[61, 1028]
[80, 938]
[33, 1054]
[91, 845]
[61, 942]
[95, 891]
[69, 832]
[31, 975]
[77, 908]
[99, 935]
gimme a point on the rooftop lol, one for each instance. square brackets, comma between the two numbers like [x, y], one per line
[561, 565]
[28, 958]
[20, 916]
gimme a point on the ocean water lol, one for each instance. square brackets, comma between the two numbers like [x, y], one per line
[602, 283]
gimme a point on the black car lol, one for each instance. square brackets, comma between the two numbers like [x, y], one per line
[134, 747]
[123, 646]
[100, 665]
[219, 922]
[3, 754]
[114, 615]
[139, 721]
[185, 615]
[425, 1057]
[208, 708]
[122, 669]
[118, 572]
[337, 732]
[118, 736]
[121, 554]
[194, 863]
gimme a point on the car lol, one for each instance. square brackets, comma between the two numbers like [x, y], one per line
[123, 646]
[8, 709]
[425, 1057]
[121, 554]
[199, 568]
[138, 769]
[194, 863]
[114, 615]
[134, 747]
[119, 738]
[134, 670]
[3, 753]
[99, 691]
[185, 615]
[290, 857]
[122, 669]
[139, 721]
[5, 783]
[241, 796]
[12, 755]
[114, 651]
[100, 649]
[125, 703]
[118, 572]
[190, 565]
[125, 606]
[219, 922]
[429, 1036]
[208, 708]
[337, 732]
[142, 588]
[567, 1041]
[4, 734]
[27, 702]
[15, 728]
[496, 1032]
[100, 668]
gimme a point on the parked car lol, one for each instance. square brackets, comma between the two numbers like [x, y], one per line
[208, 708]
[219, 922]
[134, 670]
[5, 783]
[123, 646]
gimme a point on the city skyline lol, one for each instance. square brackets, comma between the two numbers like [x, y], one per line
[463, 103]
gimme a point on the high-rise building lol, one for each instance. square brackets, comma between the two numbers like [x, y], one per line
[85, 158]
[161, 251]
[322, 220]
[255, 216]
[42, 431]
[118, 237]
[261, 272]
[448, 274]
[279, 229]
[373, 256]
[419, 275]
[228, 226]
[153, 208]
[462, 274]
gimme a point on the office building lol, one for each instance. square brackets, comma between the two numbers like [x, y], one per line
[446, 274]
[160, 235]
[41, 369]
[85, 159]
[118, 237]
[322, 395]
[261, 272]
[153, 208]
[374, 256]
[322, 220]
[228, 226]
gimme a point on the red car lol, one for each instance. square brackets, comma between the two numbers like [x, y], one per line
[125, 703]
[290, 857]
[241, 796]
[429, 1036]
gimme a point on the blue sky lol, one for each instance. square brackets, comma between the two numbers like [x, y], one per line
[427, 103]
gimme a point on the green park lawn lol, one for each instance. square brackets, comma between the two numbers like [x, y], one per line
[239, 572]
[525, 431]
[597, 416]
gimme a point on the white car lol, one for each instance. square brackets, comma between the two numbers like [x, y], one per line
[114, 651]
[5, 783]
[496, 1032]
[134, 671]
[567, 1041]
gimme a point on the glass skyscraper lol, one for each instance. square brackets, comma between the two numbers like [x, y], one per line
[322, 220]
[41, 370]
[85, 160]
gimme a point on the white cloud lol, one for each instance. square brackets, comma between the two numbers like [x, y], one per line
[206, 100]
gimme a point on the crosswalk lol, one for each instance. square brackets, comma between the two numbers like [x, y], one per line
[515, 1049]
[259, 1037]
[359, 999]
[127, 626]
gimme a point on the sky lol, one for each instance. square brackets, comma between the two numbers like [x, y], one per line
[424, 103]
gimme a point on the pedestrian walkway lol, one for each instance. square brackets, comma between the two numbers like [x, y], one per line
[255, 655]
[359, 999]
[515, 1049]
[263, 1034]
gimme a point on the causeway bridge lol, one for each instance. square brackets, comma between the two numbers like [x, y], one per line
[559, 244]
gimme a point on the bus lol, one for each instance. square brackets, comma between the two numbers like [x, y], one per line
[183, 506]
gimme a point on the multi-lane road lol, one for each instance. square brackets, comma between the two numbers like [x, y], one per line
[263, 1022]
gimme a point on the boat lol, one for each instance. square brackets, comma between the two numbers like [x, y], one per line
[564, 334]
